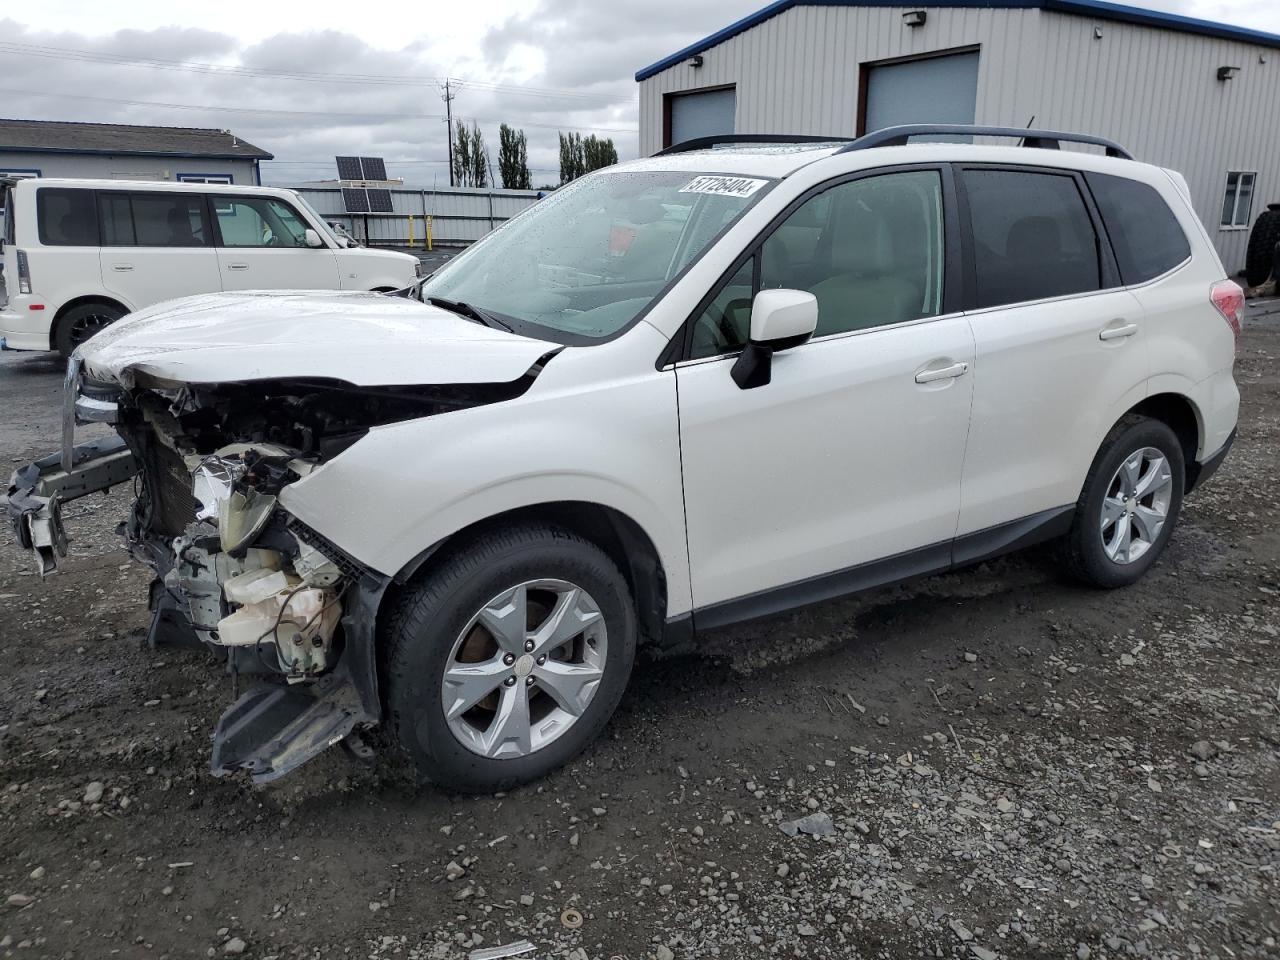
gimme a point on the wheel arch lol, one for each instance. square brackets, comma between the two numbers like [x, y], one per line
[621, 537]
[1180, 414]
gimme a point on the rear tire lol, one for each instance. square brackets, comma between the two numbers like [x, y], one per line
[478, 622]
[81, 322]
[1129, 506]
[1260, 256]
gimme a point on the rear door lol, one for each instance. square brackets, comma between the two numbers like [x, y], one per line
[1061, 348]
[262, 246]
[156, 245]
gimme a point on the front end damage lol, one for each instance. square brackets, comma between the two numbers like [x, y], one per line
[235, 573]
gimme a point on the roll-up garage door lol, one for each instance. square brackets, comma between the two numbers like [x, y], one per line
[934, 90]
[705, 114]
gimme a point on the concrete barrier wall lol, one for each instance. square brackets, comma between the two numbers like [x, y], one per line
[459, 215]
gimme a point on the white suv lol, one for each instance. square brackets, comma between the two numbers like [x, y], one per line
[83, 253]
[678, 393]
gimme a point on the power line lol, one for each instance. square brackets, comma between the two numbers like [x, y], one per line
[91, 56]
[267, 111]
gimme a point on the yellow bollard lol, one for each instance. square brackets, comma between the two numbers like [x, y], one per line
[428, 233]
[410, 231]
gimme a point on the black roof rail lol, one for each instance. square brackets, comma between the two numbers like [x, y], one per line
[702, 143]
[1044, 139]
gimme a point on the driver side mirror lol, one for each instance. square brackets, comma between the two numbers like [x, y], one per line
[780, 320]
[312, 239]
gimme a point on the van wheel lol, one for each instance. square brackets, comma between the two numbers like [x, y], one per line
[1129, 506]
[80, 323]
[509, 658]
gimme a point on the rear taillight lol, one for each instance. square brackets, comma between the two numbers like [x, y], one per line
[1229, 299]
[24, 273]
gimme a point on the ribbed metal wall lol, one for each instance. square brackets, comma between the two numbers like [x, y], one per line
[458, 216]
[1156, 91]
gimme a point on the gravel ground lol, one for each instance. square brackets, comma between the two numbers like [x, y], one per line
[996, 763]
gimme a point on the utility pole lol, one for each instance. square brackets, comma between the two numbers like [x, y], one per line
[448, 114]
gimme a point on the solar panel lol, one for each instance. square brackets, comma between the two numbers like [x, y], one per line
[374, 168]
[356, 201]
[349, 168]
[380, 201]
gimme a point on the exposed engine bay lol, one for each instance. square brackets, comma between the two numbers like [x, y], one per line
[235, 573]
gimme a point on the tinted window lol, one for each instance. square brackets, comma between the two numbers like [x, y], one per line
[169, 220]
[1032, 236]
[66, 217]
[869, 250]
[1144, 233]
[259, 222]
[117, 219]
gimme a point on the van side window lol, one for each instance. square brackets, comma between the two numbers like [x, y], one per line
[66, 217]
[1032, 236]
[259, 222]
[1144, 233]
[169, 220]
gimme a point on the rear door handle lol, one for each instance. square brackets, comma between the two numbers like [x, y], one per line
[930, 374]
[237, 266]
[122, 267]
[1117, 332]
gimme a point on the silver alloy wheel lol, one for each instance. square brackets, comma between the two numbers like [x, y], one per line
[1136, 505]
[524, 668]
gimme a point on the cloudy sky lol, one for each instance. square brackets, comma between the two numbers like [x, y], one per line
[308, 81]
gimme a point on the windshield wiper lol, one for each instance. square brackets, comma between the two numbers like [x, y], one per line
[482, 317]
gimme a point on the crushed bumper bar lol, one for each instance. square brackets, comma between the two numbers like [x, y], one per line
[38, 491]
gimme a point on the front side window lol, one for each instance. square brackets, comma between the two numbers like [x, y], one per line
[1032, 237]
[259, 222]
[1238, 202]
[66, 217]
[1145, 235]
[869, 250]
[585, 262]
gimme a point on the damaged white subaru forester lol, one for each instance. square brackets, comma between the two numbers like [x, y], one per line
[678, 393]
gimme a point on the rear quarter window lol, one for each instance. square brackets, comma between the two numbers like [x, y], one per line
[67, 217]
[1145, 235]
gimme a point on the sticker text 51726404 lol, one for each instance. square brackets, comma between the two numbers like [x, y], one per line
[724, 186]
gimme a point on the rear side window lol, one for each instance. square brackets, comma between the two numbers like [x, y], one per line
[117, 220]
[1144, 233]
[66, 217]
[1032, 236]
[169, 220]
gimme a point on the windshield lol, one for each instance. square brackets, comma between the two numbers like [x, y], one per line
[591, 257]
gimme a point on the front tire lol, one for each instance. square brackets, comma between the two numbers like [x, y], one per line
[1129, 506]
[508, 658]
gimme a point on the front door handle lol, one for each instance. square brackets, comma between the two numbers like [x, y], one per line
[122, 267]
[930, 374]
[1118, 331]
[237, 266]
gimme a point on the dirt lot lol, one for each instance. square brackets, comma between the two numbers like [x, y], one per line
[1014, 767]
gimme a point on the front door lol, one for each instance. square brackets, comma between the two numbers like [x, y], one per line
[853, 452]
[263, 247]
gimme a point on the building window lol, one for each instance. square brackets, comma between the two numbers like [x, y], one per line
[1238, 202]
[205, 178]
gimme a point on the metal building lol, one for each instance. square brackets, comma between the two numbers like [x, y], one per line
[1199, 97]
[116, 151]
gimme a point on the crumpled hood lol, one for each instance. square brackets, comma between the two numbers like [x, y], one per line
[367, 339]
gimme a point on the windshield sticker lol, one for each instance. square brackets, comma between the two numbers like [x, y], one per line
[724, 186]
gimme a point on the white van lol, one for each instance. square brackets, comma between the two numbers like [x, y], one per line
[80, 254]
